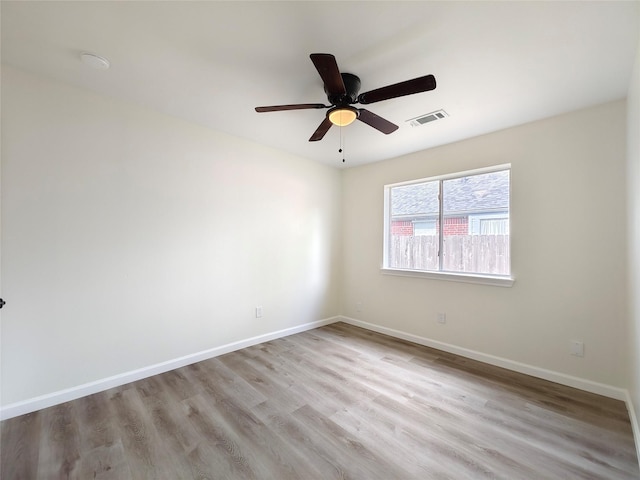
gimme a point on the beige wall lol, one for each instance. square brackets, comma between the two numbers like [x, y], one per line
[568, 249]
[633, 183]
[131, 238]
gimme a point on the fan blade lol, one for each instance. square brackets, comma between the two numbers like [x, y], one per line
[409, 87]
[379, 123]
[327, 67]
[321, 130]
[297, 106]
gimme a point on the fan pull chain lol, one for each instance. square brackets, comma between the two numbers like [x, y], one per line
[340, 150]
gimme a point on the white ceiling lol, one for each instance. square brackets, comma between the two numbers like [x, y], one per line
[497, 64]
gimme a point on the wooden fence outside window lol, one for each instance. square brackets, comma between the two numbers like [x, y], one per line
[482, 254]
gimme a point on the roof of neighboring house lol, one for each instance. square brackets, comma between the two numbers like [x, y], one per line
[487, 192]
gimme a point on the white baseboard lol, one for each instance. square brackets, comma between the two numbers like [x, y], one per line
[635, 427]
[55, 398]
[557, 377]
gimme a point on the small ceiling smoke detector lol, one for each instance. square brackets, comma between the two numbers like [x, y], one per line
[94, 61]
[427, 117]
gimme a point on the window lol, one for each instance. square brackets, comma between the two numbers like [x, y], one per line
[424, 227]
[497, 223]
[455, 224]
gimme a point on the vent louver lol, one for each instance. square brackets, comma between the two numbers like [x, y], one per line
[427, 117]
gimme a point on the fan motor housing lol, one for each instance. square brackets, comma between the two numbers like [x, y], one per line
[352, 87]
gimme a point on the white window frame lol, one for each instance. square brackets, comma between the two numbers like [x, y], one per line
[485, 279]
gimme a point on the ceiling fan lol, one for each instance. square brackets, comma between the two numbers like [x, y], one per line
[342, 92]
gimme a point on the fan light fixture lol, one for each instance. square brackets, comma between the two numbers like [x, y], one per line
[342, 92]
[343, 116]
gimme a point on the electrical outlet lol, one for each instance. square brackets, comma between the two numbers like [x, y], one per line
[259, 311]
[577, 348]
[358, 306]
[442, 317]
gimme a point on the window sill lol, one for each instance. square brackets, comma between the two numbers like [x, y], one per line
[496, 281]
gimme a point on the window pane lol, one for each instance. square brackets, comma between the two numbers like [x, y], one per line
[424, 227]
[413, 226]
[476, 224]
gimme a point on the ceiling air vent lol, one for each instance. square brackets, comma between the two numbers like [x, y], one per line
[428, 117]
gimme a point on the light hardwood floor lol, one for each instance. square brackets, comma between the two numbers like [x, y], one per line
[335, 402]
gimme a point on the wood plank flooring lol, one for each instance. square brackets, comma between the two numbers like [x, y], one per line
[337, 402]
